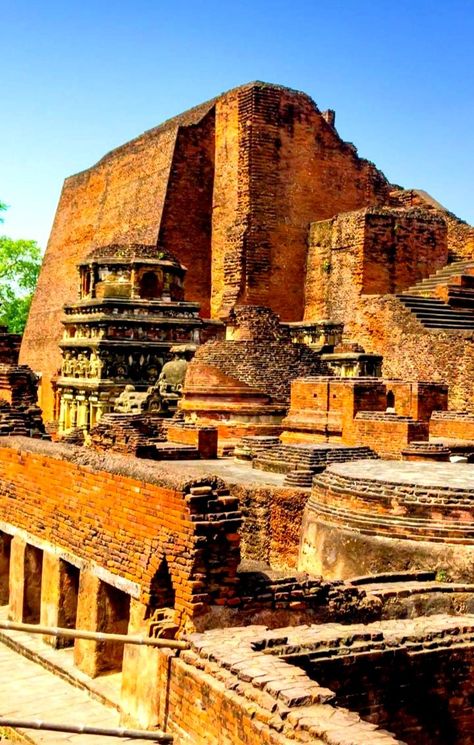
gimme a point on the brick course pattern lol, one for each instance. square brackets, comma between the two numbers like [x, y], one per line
[261, 355]
[375, 251]
[383, 325]
[453, 425]
[276, 681]
[9, 346]
[267, 163]
[63, 495]
[354, 411]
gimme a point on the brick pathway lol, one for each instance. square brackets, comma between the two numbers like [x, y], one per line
[28, 691]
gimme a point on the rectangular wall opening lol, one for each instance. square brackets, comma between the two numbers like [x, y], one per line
[115, 608]
[5, 550]
[33, 568]
[69, 578]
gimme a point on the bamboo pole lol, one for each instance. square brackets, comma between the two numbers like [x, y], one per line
[33, 628]
[84, 729]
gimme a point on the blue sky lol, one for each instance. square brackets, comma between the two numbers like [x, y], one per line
[79, 78]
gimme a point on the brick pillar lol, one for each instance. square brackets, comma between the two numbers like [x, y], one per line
[5, 543]
[101, 608]
[25, 581]
[144, 677]
[59, 588]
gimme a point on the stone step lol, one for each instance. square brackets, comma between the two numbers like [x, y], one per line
[442, 276]
[423, 302]
[438, 325]
[434, 313]
[440, 313]
[174, 451]
[444, 320]
[302, 478]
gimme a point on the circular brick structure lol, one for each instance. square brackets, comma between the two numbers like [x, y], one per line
[374, 516]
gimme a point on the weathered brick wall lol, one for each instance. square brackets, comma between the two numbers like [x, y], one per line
[18, 385]
[336, 289]
[185, 227]
[411, 351]
[283, 166]
[271, 528]
[9, 347]
[460, 240]
[423, 697]
[460, 234]
[417, 400]
[334, 275]
[119, 200]
[401, 248]
[354, 411]
[228, 690]
[326, 406]
[368, 252]
[412, 677]
[19, 413]
[224, 718]
[126, 517]
[456, 425]
[387, 434]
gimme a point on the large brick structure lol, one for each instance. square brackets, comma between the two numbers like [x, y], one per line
[267, 162]
[310, 588]
[231, 188]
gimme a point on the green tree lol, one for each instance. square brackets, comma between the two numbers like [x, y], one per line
[20, 262]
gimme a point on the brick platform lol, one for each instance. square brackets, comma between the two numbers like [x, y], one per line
[373, 515]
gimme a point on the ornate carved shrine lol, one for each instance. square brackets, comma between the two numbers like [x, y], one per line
[131, 311]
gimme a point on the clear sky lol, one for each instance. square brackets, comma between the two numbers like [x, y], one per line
[79, 78]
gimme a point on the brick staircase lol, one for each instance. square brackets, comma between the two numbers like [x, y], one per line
[454, 282]
[301, 461]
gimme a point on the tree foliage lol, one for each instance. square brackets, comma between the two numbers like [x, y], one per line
[20, 262]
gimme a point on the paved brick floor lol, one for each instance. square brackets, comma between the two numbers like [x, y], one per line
[28, 691]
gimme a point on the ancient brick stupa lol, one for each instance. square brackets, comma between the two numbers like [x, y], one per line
[131, 310]
[19, 412]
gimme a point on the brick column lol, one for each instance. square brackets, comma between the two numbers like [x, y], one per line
[144, 677]
[58, 597]
[99, 609]
[25, 581]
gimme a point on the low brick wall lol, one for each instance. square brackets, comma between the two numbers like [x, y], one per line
[336, 684]
[126, 516]
[414, 678]
[388, 434]
[235, 686]
[272, 523]
[138, 526]
[203, 438]
[456, 425]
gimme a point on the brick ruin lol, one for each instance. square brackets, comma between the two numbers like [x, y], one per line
[294, 501]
